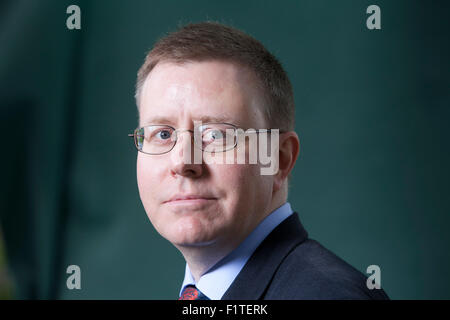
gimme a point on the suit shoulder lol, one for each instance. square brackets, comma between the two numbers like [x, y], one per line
[310, 271]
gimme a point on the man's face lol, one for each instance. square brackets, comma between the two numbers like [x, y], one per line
[201, 204]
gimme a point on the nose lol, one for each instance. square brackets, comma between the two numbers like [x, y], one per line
[182, 156]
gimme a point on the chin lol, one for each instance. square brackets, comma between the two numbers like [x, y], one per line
[191, 241]
[187, 237]
[195, 244]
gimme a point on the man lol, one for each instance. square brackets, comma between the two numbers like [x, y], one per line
[240, 238]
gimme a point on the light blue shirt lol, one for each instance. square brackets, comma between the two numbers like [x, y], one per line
[216, 281]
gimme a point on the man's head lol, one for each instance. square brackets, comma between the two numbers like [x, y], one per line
[212, 73]
[214, 41]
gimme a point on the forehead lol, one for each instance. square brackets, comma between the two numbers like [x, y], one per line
[200, 90]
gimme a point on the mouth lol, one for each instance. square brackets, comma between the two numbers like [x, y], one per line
[189, 200]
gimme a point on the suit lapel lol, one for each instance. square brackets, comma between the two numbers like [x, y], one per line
[254, 278]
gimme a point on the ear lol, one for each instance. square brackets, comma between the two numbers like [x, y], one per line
[288, 154]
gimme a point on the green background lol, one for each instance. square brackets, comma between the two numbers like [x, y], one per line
[372, 111]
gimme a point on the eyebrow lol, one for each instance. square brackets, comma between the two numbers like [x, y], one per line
[157, 120]
[203, 119]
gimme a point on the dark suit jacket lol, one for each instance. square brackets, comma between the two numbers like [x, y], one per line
[288, 265]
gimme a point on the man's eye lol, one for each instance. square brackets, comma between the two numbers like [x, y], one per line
[213, 135]
[163, 134]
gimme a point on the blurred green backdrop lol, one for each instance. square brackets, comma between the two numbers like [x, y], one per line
[371, 184]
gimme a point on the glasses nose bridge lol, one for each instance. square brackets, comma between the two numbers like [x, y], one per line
[182, 150]
[184, 130]
[195, 139]
[179, 131]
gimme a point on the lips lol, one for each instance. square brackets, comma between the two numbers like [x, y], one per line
[189, 198]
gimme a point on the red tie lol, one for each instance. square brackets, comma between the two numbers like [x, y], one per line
[192, 293]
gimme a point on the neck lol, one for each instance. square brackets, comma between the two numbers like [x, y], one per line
[202, 258]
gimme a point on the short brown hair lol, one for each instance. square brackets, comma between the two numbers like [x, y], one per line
[215, 41]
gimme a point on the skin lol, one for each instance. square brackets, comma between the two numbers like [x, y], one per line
[227, 200]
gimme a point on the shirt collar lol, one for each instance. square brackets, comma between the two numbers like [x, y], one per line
[216, 281]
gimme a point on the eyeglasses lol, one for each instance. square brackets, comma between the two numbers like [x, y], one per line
[209, 137]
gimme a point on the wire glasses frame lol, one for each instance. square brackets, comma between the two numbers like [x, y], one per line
[212, 137]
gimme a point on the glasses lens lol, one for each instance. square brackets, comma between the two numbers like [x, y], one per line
[139, 138]
[155, 139]
[217, 137]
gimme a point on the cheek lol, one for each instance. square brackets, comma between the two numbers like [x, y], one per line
[142, 174]
[247, 188]
[147, 173]
[239, 180]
